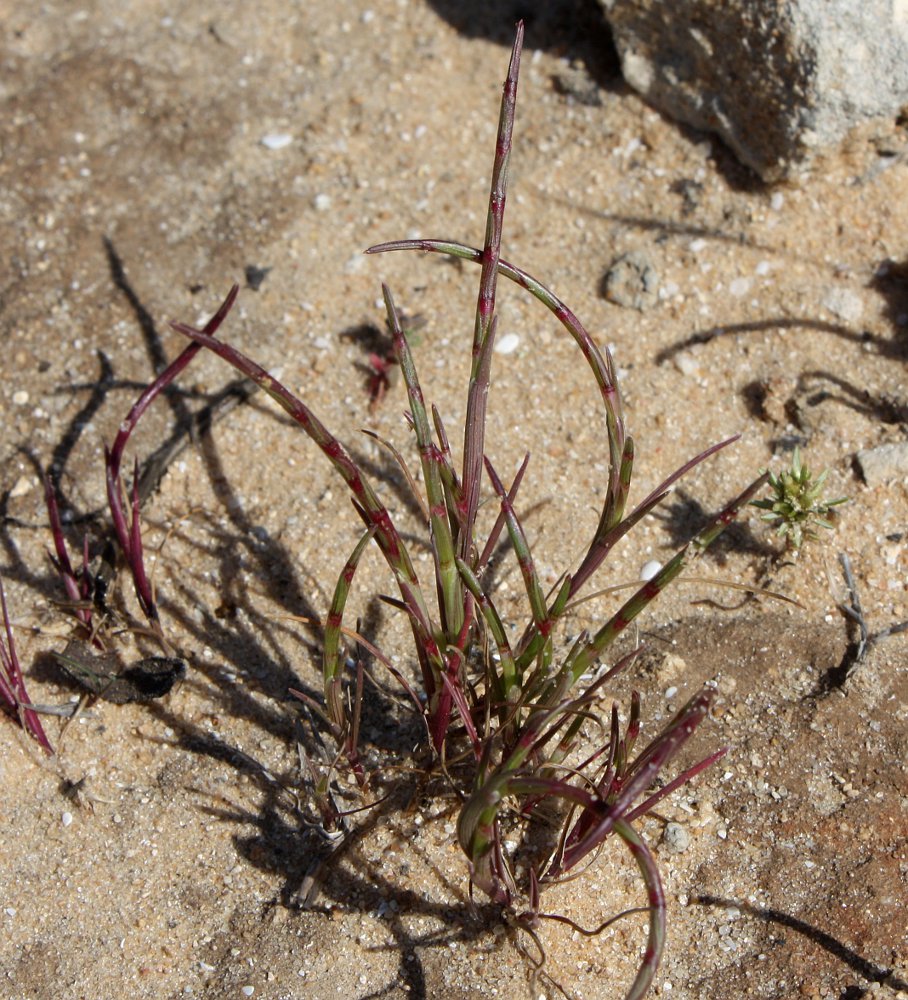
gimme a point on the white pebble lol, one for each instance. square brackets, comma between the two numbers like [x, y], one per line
[763, 268]
[247, 991]
[670, 693]
[697, 245]
[321, 202]
[66, 819]
[777, 201]
[21, 486]
[507, 344]
[686, 364]
[276, 140]
[649, 569]
[739, 287]
[20, 397]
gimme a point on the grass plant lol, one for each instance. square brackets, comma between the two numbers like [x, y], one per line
[503, 717]
[504, 710]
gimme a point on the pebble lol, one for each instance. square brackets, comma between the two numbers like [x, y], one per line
[686, 363]
[276, 140]
[649, 569]
[671, 667]
[255, 275]
[66, 819]
[321, 202]
[20, 397]
[21, 486]
[632, 281]
[676, 838]
[844, 303]
[507, 344]
[883, 463]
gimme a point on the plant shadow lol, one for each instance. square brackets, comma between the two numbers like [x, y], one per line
[576, 29]
[888, 347]
[319, 875]
[683, 516]
[864, 967]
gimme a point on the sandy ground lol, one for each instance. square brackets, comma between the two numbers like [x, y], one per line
[151, 154]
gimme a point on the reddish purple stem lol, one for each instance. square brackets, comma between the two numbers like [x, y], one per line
[12, 683]
[128, 532]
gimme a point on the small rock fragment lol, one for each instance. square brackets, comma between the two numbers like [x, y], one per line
[686, 363]
[844, 303]
[276, 140]
[255, 276]
[21, 486]
[676, 838]
[649, 569]
[507, 344]
[671, 667]
[883, 463]
[632, 281]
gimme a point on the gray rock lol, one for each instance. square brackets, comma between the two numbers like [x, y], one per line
[884, 463]
[676, 838]
[632, 281]
[776, 79]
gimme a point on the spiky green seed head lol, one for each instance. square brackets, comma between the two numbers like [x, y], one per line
[796, 506]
